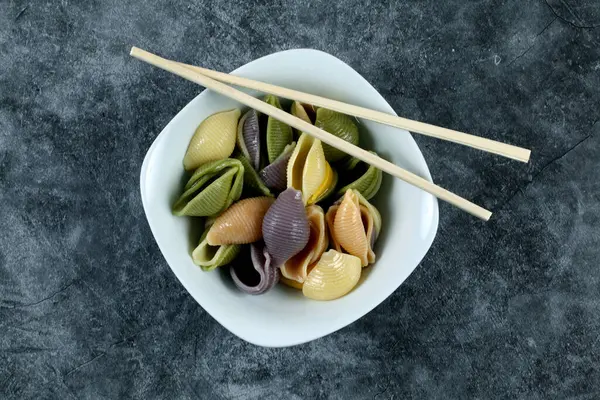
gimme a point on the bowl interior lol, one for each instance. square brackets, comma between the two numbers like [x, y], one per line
[283, 317]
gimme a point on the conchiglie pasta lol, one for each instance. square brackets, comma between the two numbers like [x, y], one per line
[298, 267]
[248, 138]
[339, 125]
[317, 174]
[335, 275]
[370, 213]
[298, 159]
[214, 139]
[285, 226]
[354, 227]
[253, 183]
[309, 172]
[366, 178]
[279, 134]
[212, 188]
[305, 112]
[257, 276]
[241, 223]
[274, 175]
[210, 257]
[291, 283]
[279, 231]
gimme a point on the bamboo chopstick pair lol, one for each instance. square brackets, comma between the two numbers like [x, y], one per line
[214, 80]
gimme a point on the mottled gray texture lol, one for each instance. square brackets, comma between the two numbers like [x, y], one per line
[505, 309]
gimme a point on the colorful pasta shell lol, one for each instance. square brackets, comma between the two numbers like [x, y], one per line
[366, 178]
[341, 126]
[256, 277]
[335, 275]
[370, 213]
[285, 226]
[210, 257]
[241, 223]
[298, 267]
[290, 282]
[274, 175]
[253, 183]
[305, 112]
[212, 188]
[309, 172]
[354, 225]
[279, 134]
[297, 161]
[248, 138]
[350, 163]
[214, 139]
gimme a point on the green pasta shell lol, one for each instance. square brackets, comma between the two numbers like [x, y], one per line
[279, 134]
[367, 184]
[350, 163]
[212, 188]
[210, 257]
[341, 126]
[253, 185]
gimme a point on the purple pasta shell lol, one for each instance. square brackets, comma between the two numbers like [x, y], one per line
[258, 278]
[274, 175]
[285, 226]
[251, 136]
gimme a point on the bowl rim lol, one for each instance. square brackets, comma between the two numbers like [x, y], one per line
[144, 170]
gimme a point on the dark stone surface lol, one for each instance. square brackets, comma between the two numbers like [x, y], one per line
[505, 309]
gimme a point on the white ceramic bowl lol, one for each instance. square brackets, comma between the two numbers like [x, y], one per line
[283, 317]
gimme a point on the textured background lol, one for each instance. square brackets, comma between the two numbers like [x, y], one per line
[505, 309]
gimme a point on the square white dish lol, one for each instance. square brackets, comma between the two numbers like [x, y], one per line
[283, 317]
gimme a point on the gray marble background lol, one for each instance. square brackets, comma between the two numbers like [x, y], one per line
[506, 309]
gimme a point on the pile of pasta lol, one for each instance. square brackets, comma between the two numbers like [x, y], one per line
[262, 188]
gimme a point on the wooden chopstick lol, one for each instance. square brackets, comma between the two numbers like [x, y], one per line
[312, 130]
[477, 142]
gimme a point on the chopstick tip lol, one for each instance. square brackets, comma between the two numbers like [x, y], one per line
[487, 216]
[134, 50]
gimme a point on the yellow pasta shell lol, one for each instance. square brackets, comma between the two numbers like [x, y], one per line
[309, 172]
[326, 187]
[335, 275]
[291, 283]
[214, 139]
[314, 173]
[241, 223]
[300, 110]
[297, 161]
[298, 267]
